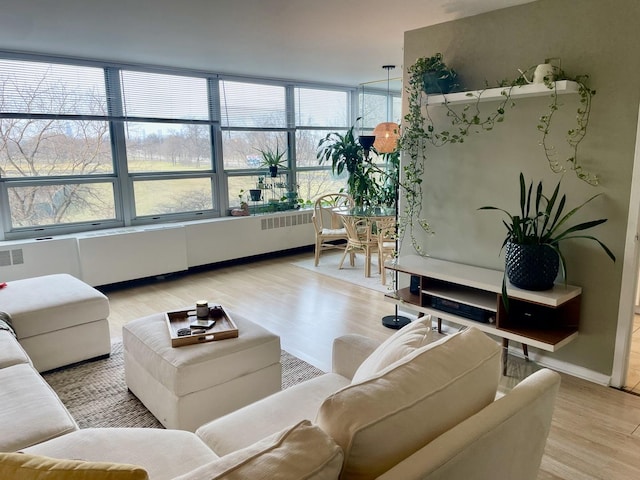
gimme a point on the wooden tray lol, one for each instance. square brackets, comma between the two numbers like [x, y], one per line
[223, 329]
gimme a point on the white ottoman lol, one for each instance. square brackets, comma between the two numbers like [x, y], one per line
[58, 319]
[185, 387]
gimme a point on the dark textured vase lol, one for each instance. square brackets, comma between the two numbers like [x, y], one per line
[531, 267]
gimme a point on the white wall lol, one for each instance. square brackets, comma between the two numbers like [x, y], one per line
[590, 37]
[110, 256]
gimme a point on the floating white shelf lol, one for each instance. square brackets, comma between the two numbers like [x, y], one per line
[495, 94]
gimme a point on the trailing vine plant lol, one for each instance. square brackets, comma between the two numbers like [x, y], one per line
[574, 135]
[419, 130]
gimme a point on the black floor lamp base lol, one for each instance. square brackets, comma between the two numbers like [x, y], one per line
[395, 321]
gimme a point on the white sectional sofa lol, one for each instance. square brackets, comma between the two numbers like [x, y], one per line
[409, 408]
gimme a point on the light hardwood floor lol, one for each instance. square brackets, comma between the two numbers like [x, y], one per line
[595, 432]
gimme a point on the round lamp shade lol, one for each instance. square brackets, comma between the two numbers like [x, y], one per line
[387, 135]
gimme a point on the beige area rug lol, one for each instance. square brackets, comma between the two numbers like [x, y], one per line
[96, 395]
[328, 266]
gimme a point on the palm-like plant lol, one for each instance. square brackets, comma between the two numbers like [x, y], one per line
[272, 158]
[542, 222]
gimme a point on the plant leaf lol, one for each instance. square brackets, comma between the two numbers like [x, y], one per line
[589, 237]
[552, 231]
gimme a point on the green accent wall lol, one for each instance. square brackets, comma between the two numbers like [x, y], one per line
[595, 37]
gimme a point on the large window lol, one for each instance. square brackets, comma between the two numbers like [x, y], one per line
[317, 113]
[85, 145]
[168, 156]
[55, 149]
[254, 119]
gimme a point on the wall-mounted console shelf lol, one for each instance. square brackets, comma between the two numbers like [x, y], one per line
[472, 296]
[494, 94]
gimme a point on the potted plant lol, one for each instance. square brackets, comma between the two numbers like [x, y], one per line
[346, 153]
[255, 194]
[532, 244]
[436, 76]
[272, 159]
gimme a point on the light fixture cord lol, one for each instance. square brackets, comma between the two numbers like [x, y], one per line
[388, 92]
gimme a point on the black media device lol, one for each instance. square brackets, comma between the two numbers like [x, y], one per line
[462, 309]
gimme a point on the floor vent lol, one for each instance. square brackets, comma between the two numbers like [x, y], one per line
[11, 257]
[302, 218]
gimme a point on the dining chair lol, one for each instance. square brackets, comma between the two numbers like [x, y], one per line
[330, 231]
[360, 238]
[386, 236]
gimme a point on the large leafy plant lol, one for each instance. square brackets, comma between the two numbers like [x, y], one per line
[345, 153]
[542, 221]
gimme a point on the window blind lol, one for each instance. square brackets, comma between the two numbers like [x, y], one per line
[252, 105]
[51, 88]
[162, 96]
[321, 108]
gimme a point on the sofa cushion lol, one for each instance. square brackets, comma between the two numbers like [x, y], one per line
[11, 352]
[272, 414]
[164, 454]
[384, 419]
[5, 323]
[409, 338]
[22, 466]
[300, 452]
[31, 411]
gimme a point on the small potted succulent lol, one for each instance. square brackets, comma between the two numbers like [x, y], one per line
[532, 244]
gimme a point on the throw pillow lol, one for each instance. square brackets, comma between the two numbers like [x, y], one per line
[300, 452]
[406, 340]
[386, 418]
[23, 466]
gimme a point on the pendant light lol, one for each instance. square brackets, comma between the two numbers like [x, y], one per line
[386, 133]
